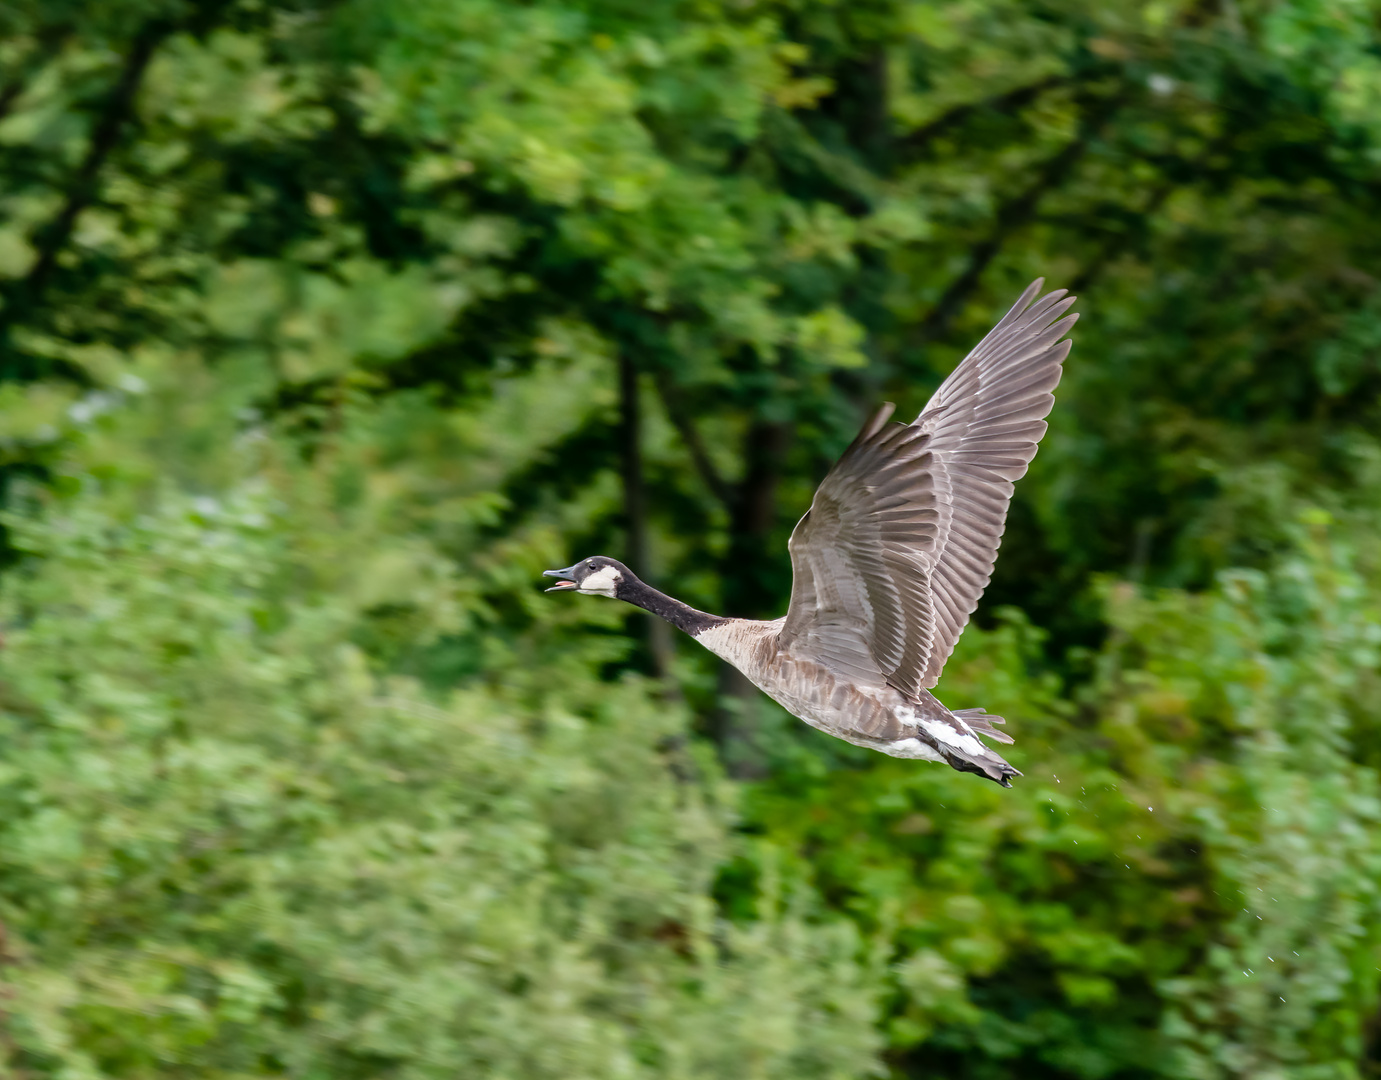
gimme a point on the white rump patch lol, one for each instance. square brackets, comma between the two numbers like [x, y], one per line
[602, 582]
[913, 748]
[942, 732]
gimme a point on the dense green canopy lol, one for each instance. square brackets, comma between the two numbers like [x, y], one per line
[325, 327]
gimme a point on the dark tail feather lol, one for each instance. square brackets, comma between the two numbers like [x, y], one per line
[991, 764]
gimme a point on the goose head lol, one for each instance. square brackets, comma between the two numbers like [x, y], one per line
[597, 576]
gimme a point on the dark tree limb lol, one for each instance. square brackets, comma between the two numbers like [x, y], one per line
[52, 240]
[690, 437]
[755, 513]
[875, 135]
[48, 39]
[1022, 96]
[9, 94]
[1011, 216]
[1113, 245]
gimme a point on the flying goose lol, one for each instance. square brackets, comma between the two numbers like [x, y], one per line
[891, 558]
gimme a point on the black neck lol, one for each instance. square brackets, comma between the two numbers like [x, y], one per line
[682, 616]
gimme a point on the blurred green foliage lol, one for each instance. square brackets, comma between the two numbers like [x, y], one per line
[231, 847]
[325, 327]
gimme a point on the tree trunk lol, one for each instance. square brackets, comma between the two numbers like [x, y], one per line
[749, 591]
[658, 633]
[748, 566]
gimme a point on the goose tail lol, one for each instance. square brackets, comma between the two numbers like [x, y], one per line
[985, 761]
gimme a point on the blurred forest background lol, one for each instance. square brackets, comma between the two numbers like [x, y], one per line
[328, 324]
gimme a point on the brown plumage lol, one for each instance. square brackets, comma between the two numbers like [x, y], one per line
[893, 555]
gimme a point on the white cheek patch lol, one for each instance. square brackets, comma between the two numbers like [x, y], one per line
[602, 582]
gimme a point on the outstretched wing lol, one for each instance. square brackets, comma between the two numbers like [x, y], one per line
[900, 540]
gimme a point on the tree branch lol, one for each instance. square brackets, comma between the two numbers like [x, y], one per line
[1003, 103]
[1114, 244]
[48, 39]
[700, 457]
[1010, 217]
[104, 138]
[9, 93]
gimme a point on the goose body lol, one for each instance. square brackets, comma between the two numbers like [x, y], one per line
[891, 559]
[866, 713]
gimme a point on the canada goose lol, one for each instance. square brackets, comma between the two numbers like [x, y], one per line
[891, 558]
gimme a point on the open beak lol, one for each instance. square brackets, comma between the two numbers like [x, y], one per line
[567, 577]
